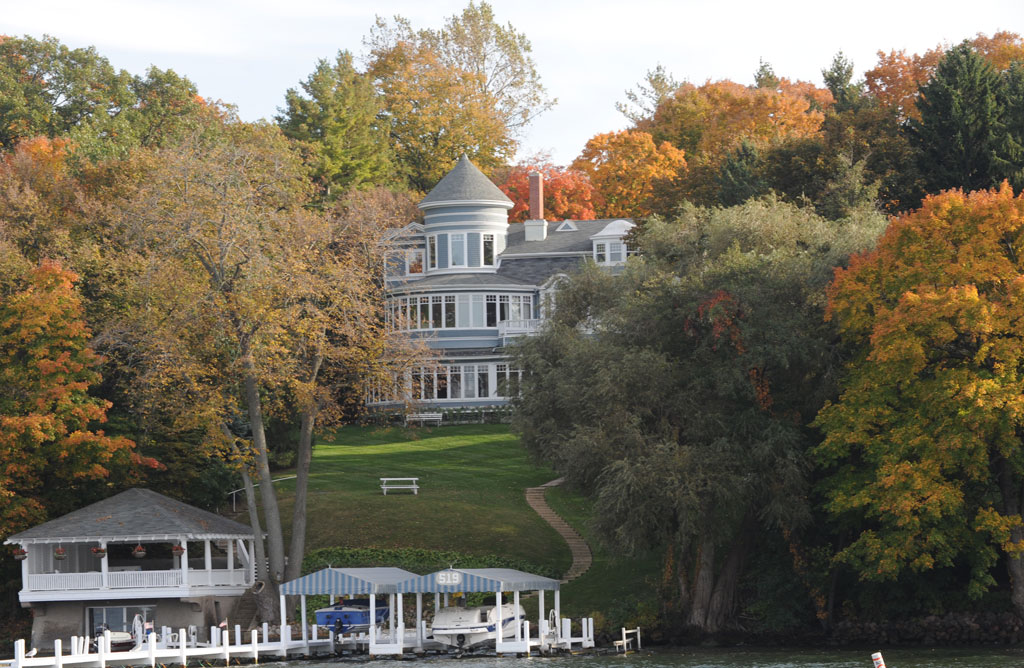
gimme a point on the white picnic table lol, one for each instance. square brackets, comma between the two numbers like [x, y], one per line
[400, 483]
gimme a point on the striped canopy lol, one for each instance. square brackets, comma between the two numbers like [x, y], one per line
[477, 580]
[349, 581]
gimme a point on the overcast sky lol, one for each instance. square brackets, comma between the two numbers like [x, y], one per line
[588, 52]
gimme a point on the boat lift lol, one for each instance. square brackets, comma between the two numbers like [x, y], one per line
[554, 631]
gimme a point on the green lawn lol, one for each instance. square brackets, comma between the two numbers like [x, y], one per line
[471, 497]
[472, 500]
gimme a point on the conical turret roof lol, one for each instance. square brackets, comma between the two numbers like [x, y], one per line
[465, 183]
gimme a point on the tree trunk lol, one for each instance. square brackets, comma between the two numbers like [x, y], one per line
[723, 599]
[271, 514]
[703, 584]
[266, 606]
[297, 549]
[1011, 506]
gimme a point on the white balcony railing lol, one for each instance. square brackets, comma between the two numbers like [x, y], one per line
[507, 328]
[135, 580]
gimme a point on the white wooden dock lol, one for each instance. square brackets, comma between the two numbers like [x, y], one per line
[176, 648]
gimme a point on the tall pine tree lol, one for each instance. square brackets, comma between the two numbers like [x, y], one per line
[338, 117]
[962, 135]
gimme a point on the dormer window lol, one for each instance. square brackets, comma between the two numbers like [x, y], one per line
[609, 252]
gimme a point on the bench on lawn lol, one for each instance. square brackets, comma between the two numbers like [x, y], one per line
[399, 483]
[423, 418]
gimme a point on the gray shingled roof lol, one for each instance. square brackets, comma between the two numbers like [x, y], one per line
[557, 242]
[465, 183]
[136, 514]
[536, 270]
[460, 280]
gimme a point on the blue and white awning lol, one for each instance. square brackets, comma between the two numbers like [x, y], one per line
[453, 580]
[349, 581]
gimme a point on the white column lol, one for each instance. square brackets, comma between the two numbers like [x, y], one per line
[184, 563]
[558, 614]
[373, 619]
[401, 620]
[391, 617]
[231, 560]
[24, 568]
[103, 565]
[284, 618]
[208, 561]
[519, 626]
[540, 610]
[497, 613]
[419, 619]
[302, 611]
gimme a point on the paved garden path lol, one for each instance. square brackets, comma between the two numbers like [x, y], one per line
[581, 557]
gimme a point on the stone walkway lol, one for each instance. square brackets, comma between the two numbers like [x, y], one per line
[581, 557]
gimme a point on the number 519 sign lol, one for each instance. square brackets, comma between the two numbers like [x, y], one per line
[449, 578]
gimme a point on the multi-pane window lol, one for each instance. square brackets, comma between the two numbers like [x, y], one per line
[459, 381]
[508, 380]
[492, 310]
[414, 261]
[615, 252]
[449, 310]
[432, 252]
[488, 255]
[461, 311]
[610, 252]
[457, 242]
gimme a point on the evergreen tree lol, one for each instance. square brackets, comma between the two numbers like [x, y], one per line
[338, 117]
[962, 135]
[740, 178]
[838, 79]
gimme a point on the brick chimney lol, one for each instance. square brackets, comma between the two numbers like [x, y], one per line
[536, 228]
[536, 196]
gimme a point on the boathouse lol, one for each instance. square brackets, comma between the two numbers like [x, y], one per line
[136, 553]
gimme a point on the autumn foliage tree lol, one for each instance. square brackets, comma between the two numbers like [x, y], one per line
[624, 168]
[923, 447]
[568, 192]
[54, 458]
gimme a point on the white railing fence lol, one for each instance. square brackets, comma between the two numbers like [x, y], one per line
[170, 648]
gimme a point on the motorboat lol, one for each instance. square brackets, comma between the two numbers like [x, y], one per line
[351, 616]
[469, 627]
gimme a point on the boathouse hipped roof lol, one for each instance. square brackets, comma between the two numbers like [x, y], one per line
[134, 515]
[352, 581]
[478, 580]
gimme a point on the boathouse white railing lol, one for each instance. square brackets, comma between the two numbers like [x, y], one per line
[135, 579]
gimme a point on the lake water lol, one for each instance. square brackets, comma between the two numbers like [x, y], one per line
[717, 658]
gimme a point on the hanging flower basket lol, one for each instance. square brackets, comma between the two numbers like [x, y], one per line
[138, 551]
[20, 554]
[99, 552]
[177, 550]
[60, 554]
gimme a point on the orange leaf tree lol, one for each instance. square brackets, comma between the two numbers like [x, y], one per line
[923, 447]
[624, 168]
[894, 81]
[568, 192]
[52, 458]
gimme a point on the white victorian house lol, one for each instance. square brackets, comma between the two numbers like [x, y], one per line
[136, 553]
[469, 283]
